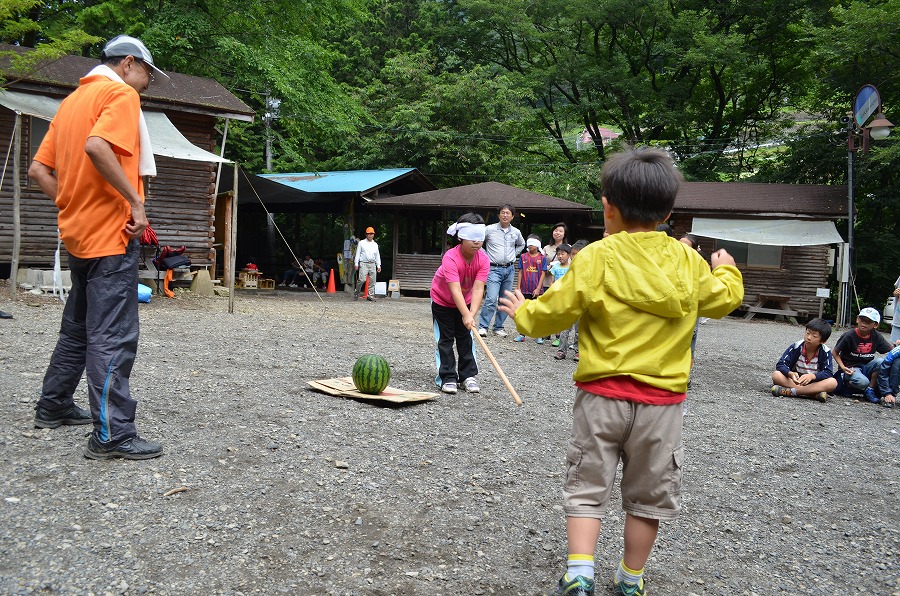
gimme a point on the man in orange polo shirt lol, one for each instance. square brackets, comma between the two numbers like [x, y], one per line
[91, 163]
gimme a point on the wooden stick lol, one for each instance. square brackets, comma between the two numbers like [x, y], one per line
[180, 489]
[493, 360]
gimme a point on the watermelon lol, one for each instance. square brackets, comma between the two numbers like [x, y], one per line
[371, 374]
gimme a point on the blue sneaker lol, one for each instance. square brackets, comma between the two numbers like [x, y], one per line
[580, 586]
[539, 340]
[870, 395]
[519, 338]
[626, 589]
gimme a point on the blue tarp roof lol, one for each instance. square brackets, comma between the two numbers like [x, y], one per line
[355, 181]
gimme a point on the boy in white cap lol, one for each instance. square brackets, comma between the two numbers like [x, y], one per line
[855, 355]
[90, 163]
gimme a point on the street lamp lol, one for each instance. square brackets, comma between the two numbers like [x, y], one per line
[866, 103]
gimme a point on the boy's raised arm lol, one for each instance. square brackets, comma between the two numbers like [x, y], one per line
[722, 287]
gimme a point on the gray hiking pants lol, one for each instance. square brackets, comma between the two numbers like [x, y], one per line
[99, 336]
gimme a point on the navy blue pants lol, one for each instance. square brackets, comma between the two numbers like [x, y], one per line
[99, 336]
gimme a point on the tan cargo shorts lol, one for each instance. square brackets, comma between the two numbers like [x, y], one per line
[646, 438]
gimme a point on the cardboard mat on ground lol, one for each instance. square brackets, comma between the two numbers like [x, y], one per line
[344, 387]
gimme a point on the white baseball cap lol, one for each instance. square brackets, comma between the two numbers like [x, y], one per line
[871, 314]
[125, 45]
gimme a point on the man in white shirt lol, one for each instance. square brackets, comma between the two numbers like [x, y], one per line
[502, 242]
[367, 264]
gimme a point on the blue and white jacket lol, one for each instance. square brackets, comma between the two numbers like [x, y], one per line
[790, 357]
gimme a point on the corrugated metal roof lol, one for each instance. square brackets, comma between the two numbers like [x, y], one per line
[354, 181]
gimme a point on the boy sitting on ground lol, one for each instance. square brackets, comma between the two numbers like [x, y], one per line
[805, 369]
[320, 274]
[855, 356]
[637, 295]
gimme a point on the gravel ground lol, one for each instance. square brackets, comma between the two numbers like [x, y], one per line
[292, 491]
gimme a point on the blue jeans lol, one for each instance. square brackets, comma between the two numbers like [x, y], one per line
[894, 377]
[500, 279]
[861, 377]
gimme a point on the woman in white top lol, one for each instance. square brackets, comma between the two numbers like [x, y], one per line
[559, 235]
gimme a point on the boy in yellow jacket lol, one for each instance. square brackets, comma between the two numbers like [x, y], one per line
[636, 296]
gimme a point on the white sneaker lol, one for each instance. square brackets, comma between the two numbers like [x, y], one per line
[482, 332]
[500, 333]
[449, 387]
[471, 385]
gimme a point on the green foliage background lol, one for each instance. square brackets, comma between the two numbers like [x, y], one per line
[476, 90]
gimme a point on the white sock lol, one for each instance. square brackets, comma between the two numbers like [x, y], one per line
[580, 565]
[629, 576]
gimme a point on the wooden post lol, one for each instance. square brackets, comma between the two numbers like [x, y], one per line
[227, 273]
[232, 241]
[17, 199]
[396, 245]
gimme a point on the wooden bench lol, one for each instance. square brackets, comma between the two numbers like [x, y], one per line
[247, 279]
[781, 312]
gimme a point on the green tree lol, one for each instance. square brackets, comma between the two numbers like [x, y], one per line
[259, 49]
[855, 44]
[424, 106]
[476, 89]
[694, 76]
[21, 23]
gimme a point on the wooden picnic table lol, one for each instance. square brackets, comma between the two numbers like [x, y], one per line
[764, 304]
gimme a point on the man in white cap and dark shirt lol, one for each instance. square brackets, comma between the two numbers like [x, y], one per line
[502, 242]
[90, 163]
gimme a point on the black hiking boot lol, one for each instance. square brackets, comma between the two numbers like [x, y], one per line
[44, 418]
[130, 448]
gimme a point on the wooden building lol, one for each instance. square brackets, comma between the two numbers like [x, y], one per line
[180, 201]
[340, 201]
[783, 236]
[421, 220]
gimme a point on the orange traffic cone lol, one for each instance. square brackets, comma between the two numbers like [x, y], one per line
[330, 289]
[365, 292]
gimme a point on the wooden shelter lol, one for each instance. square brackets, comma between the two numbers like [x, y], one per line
[181, 200]
[341, 202]
[421, 219]
[782, 236]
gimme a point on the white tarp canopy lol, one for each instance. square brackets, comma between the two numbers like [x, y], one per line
[772, 232]
[165, 138]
